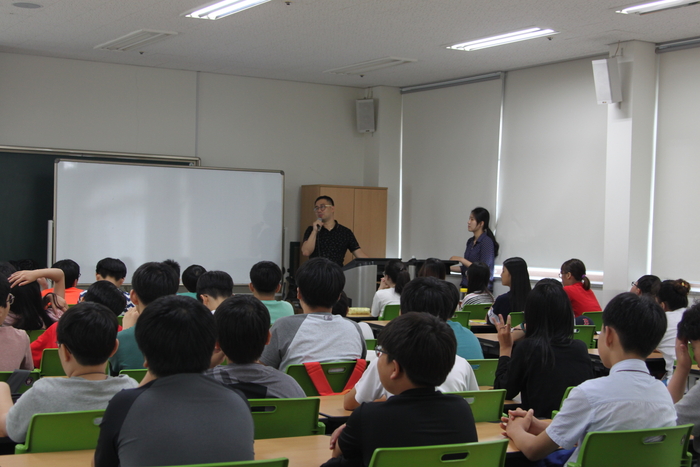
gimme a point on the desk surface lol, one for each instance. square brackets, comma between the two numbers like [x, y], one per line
[302, 451]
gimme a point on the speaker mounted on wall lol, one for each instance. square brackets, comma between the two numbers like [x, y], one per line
[365, 115]
[608, 86]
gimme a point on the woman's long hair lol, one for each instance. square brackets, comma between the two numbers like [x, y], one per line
[549, 319]
[29, 308]
[519, 283]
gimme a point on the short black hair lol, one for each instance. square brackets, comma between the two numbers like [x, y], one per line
[190, 276]
[153, 280]
[431, 295]
[432, 267]
[111, 267]
[71, 271]
[216, 284]
[478, 277]
[107, 294]
[4, 290]
[639, 321]
[424, 345]
[243, 324]
[649, 284]
[89, 332]
[265, 276]
[342, 306]
[6, 269]
[688, 327]
[320, 282]
[175, 266]
[328, 198]
[176, 334]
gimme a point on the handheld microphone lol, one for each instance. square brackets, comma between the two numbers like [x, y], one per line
[318, 227]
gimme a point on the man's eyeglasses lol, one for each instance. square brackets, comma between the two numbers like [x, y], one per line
[379, 351]
[322, 207]
[634, 284]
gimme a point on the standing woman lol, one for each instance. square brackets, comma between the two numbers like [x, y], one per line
[481, 247]
[515, 276]
[578, 287]
[389, 292]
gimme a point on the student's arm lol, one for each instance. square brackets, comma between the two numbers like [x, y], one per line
[349, 401]
[676, 386]
[309, 244]
[130, 318]
[27, 277]
[533, 446]
[5, 406]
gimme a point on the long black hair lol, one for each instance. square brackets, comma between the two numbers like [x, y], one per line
[549, 319]
[28, 308]
[398, 274]
[519, 282]
[482, 215]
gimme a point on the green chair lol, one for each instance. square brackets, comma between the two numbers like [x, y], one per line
[478, 311]
[650, 447]
[137, 374]
[566, 394]
[517, 318]
[62, 431]
[597, 317]
[28, 383]
[485, 454]
[390, 312]
[337, 374]
[585, 333]
[51, 364]
[280, 462]
[284, 418]
[34, 334]
[487, 406]
[371, 343]
[120, 319]
[484, 370]
[462, 317]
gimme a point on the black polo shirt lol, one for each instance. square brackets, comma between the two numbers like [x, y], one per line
[333, 244]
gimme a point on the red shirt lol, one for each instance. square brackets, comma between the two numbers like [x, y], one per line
[72, 294]
[581, 300]
[47, 340]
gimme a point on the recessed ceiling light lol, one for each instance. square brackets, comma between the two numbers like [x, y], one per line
[502, 39]
[27, 5]
[651, 7]
[223, 8]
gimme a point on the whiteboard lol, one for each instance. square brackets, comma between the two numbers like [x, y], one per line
[222, 219]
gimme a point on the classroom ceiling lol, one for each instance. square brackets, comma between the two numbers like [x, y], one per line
[297, 40]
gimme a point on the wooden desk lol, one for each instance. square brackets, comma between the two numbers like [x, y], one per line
[302, 451]
[331, 406]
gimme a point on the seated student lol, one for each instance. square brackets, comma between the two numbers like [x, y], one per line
[673, 298]
[688, 405]
[416, 352]
[578, 287]
[243, 327]
[102, 292]
[189, 279]
[213, 287]
[647, 285]
[114, 271]
[547, 361]
[87, 336]
[438, 298]
[478, 275]
[265, 282]
[149, 282]
[14, 343]
[389, 293]
[71, 271]
[27, 311]
[432, 267]
[629, 399]
[179, 416]
[317, 335]
[515, 276]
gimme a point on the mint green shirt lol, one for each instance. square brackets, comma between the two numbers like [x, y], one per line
[278, 309]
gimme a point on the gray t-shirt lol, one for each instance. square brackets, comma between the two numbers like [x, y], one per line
[62, 395]
[313, 337]
[256, 381]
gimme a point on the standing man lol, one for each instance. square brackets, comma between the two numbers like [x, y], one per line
[328, 239]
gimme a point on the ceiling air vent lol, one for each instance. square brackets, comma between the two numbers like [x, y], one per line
[135, 40]
[372, 65]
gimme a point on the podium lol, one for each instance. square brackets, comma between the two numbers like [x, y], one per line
[361, 276]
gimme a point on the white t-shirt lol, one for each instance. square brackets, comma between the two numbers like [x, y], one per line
[383, 298]
[667, 346]
[369, 388]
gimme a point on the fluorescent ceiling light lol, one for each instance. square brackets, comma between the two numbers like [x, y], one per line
[508, 38]
[136, 39]
[659, 5]
[223, 8]
[371, 65]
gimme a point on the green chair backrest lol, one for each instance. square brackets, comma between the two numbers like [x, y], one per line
[484, 454]
[563, 398]
[597, 317]
[284, 418]
[484, 370]
[487, 406]
[478, 311]
[337, 374]
[138, 375]
[34, 334]
[120, 319]
[371, 343]
[62, 431]
[517, 318]
[462, 317]
[28, 383]
[650, 447]
[390, 312]
[279, 462]
[585, 333]
[51, 364]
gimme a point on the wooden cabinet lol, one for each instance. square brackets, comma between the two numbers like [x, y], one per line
[361, 209]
